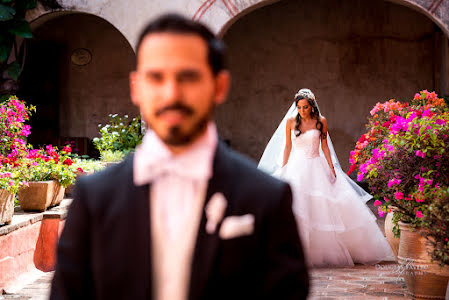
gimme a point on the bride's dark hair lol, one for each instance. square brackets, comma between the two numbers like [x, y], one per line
[314, 114]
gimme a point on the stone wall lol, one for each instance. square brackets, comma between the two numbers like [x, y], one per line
[88, 93]
[352, 54]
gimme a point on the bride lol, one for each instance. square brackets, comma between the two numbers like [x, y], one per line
[335, 225]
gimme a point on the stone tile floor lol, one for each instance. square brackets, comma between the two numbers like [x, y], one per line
[381, 281]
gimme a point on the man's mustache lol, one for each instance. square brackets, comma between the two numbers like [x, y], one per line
[175, 107]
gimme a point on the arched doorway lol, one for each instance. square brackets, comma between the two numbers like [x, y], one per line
[351, 53]
[76, 73]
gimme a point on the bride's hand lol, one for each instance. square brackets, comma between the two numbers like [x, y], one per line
[334, 177]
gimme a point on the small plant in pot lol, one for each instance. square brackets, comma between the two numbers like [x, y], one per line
[48, 173]
[118, 138]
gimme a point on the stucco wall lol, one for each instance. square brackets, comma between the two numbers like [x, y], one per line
[89, 93]
[130, 16]
[352, 54]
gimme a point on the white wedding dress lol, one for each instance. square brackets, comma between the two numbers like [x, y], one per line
[335, 225]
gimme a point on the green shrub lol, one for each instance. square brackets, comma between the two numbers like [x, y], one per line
[120, 135]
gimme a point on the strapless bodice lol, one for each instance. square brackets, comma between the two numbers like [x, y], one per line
[307, 143]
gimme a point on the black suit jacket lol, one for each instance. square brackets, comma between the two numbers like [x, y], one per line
[104, 249]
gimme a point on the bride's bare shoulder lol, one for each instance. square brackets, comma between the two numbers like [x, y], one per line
[290, 122]
[323, 119]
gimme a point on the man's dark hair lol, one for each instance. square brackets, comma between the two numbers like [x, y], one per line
[173, 23]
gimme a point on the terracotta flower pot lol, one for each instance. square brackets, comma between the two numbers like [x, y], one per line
[424, 279]
[40, 195]
[6, 207]
[392, 240]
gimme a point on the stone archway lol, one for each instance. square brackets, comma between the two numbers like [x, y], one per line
[76, 73]
[352, 54]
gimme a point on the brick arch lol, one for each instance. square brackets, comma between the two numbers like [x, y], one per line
[436, 10]
[69, 76]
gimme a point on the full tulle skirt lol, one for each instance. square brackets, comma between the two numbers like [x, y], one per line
[335, 225]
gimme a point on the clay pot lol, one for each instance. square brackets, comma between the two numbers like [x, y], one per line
[424, 279]
[6, 207]
[391, 239]
[40, 195]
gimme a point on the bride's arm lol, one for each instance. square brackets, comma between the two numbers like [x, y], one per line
[325, 147]
[288, 141]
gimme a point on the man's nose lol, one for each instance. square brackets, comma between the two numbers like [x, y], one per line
[171, 90]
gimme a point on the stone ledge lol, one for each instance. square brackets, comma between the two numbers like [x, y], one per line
[22, 218]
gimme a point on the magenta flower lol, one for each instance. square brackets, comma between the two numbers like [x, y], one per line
[377, 203]
[419, 214]
[399, 195]
[419, 198]
[420, 153]
[26, 130]
[359, 176]
[440, 122]
[380, 212]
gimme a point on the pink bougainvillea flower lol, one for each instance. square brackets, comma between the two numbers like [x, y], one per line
[419, 214]
[359, 176]
[420, 153]
[380, 212]
[419, 198]
[399, 195]
[377, 203]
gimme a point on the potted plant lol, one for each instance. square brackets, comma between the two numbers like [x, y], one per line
[407, 171]
[48, 173]
[118, 138]
[9, 186]
[13, 133]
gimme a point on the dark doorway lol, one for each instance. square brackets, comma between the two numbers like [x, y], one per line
[39, 86]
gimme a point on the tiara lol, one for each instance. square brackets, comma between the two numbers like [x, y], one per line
[305, 93]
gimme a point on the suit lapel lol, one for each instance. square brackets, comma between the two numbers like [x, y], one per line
[207, 244]
[141, 227]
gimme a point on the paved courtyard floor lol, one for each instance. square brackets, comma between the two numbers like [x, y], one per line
[381, 281]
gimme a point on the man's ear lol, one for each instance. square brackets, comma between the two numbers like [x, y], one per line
[133, 88]
[223, 83]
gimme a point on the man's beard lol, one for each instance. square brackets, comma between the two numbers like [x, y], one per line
[175, 136]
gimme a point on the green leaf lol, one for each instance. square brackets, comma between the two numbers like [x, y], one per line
[14, 70]
[421, 130]
[21, 28]
[6, 12]
[5, 50]
[6, 1]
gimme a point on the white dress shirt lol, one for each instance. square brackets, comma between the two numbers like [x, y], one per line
[178, 188]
